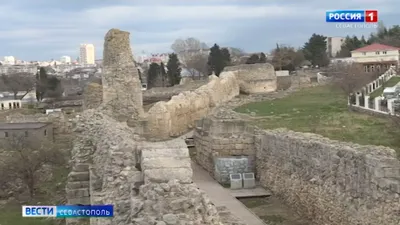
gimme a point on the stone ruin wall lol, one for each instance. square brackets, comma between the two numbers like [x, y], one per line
[177, 116]
[224, 147]
[147, 182]
[165, 93]
[328, 181]
[122, 89]
[93, 96]
[255, 78]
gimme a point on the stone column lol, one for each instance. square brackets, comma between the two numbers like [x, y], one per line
[377, 103]
[122, 91]
[366, 102]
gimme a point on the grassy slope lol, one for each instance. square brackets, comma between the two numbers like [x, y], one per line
[324, 111]
[390, 83]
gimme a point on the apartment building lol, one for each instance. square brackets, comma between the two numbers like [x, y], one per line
[334, 45]
[87, 54]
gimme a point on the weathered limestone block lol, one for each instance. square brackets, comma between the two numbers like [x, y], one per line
[175, 117]
[122, 92]
[93, 96]
[184, 175]
[161, 161]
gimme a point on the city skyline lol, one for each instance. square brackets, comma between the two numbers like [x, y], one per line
[44, 29]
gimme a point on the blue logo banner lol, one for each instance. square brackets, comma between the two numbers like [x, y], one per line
[348, 16]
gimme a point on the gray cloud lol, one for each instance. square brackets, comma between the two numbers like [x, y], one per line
[44, 29]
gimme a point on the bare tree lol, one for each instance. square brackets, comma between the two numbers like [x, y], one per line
[197, 65]
[187, 48]
[286, 57]
[19, 82]
[350, 77]
[24, 160]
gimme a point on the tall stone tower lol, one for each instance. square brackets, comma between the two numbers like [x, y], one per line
[122, 90]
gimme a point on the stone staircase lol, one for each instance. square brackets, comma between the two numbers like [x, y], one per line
[77, 190]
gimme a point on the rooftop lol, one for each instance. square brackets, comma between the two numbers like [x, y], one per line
[376, 47]
[20, 126]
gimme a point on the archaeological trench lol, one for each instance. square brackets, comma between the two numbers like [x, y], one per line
[133, 159]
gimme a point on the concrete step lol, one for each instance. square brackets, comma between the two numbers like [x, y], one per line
[78, 176]
[78, 184]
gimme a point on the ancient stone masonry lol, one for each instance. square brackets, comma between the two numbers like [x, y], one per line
[122, 92]
[224, 146]
[177, 116]
[165, 93]
[93, 96]
[148, 183]
[329, 181]
[255, 78]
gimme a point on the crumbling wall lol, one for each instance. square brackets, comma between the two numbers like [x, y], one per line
[328, 181]
[93, 96]
[284, 82]
[165, 93]
[147, 182]
[175, 117]
[122, 89]
[255, 78]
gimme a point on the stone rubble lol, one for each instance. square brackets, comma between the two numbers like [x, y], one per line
[174, 203]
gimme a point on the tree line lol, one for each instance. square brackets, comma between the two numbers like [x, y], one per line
[170, 74]
[283, 57]
[44, 84]
[384, 35]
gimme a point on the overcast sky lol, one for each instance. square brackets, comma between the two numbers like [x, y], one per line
[46, 29]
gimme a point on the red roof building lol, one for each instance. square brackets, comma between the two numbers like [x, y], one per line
[376, 47]
[377, 57]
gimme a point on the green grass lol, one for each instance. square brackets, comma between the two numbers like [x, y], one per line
[12, 215]
[390, 83]
[50, 191]
[324, 111]
[253, 202]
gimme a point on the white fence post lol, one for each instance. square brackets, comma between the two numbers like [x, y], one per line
[366, 98]
[377, 103]
[390, 106]
[357, 99]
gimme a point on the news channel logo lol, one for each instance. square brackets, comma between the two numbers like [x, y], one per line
[68, 211]
[353, 18]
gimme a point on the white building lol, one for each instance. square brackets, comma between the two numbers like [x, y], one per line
[377, 57]
[334, 45]
[348, 60]
[65, 59]
[10, 104]
[87, 54]
[10, 60]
